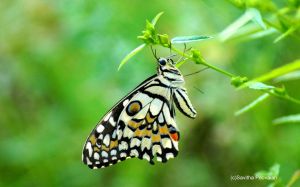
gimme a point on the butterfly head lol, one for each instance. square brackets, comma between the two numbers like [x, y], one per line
[167, 68]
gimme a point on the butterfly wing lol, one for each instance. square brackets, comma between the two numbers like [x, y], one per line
[141, 125]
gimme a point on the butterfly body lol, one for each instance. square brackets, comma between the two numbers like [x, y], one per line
[143, 123]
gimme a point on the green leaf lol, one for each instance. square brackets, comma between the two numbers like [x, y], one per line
[156, 18]
[259, 86]
[252, 104]
[187, 39]
[131, 54]
[285, 34]
[288, 77]
[287, 119]
[262, 33]
[295, 65]
[229, 31]
[292, 66]
[272, 90]
[294, 179]
[257, 17]
[273, 172]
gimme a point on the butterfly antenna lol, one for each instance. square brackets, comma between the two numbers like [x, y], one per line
[184, 50]
[154, 52]
[196, 72]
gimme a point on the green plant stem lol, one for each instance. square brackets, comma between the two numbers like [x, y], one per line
[204, 63]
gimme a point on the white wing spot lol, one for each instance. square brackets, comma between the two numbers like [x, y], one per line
[96, 156]
[146, 156]
[134, 152]
[104, 154]
[146, 143]
[123, 146]
[125, 102]
[107, 116]
[158, 159]
[169, 155]
[160, 118]
[114, 135]
[112, 121]
[89, 148]
[166, 143]
[135, 142]
[155, 106]
[88, 161]
[156, 149]
[106, 140]
[100, 128]
[113, 152]
[127, 132]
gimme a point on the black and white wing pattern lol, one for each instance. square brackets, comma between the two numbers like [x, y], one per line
[141, 125]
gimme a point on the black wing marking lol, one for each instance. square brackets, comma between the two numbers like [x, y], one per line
[183, 103]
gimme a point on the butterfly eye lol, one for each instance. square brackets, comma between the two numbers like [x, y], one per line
[133, 108]
[162, 61]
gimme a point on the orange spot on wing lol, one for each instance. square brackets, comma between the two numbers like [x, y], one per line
[113, 144]
[138, 133]
[163, 130]
[175, 136]
[149, 119]
[155, 138]
[134, 124]
[93, 139]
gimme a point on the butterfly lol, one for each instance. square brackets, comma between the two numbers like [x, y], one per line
[142, 124]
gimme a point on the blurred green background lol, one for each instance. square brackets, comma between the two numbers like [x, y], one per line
[58, 76]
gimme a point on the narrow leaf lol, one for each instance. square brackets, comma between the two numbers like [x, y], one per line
[290, 67]
[285, 34]
[131, 54]
[187, 39]
[257, 17]
[294, 179]
[252, 104]
[287, 119]
[236, 25]
[156, 18]
[259, 86]
[274, 170]
[288, 77]
[295, 65]
[262, 33]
